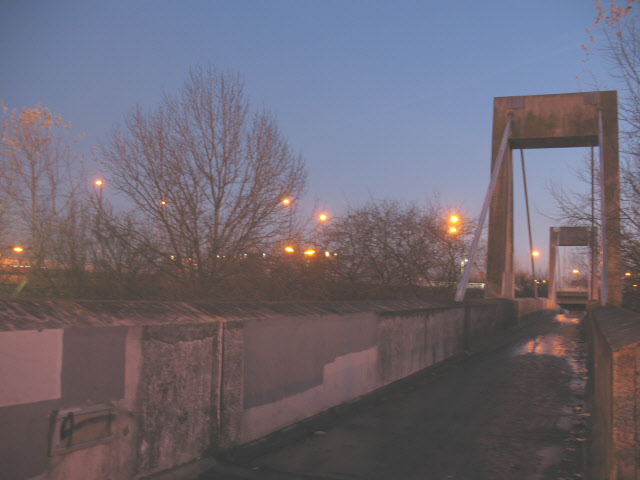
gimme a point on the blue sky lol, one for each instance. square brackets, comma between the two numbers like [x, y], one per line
[382, 99]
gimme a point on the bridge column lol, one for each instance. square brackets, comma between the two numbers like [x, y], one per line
[500, 278]
[609, 106]
[551, 282]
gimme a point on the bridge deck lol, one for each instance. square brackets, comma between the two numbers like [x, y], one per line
[516, 412]
[572, 297]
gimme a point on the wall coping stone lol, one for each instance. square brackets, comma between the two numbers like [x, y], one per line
[54, 314]
[619, 327]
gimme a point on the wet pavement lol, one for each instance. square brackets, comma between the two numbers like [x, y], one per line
[516, 412]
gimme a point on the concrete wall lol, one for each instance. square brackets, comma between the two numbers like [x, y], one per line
[295, 367]
[525, 307]
[148, 368]
[123, 390]
[614, 340]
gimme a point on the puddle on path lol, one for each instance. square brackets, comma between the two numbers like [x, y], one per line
[564, 340]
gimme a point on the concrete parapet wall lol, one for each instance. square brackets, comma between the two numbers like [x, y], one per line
[120, 391]
[296, 367]
[614, 340]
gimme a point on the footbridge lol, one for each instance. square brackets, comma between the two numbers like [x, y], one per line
[134, 390]
[572, 297]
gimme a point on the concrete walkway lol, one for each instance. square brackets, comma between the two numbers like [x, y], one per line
[516, 412]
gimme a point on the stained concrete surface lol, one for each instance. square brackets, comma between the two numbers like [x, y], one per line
[515, 412]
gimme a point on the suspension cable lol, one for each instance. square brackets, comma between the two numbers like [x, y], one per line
[526, 202]
[462, 287]
[592, 239]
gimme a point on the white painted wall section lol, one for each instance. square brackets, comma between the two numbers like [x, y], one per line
[30, 366]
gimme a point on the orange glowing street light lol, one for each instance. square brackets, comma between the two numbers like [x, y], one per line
[575, 270]
[311, 251]
[323, 217]
[286, 202]
[453, 220]
[18, 249]
[289, 249]
[627, 274]
[535, 253]
[98, 183]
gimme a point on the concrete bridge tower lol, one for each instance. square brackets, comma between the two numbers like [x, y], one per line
[554, 121]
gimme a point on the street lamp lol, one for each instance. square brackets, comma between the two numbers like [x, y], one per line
[534, 254]
[322, 217]
[99, 184]
[453, 224]
[287, 202]
[18, 249]
[289, 249]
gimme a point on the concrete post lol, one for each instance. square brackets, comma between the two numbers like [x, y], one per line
[500, 266]
[609, 106]
[553, 243]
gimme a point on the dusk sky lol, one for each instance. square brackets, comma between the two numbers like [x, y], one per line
[384, 100]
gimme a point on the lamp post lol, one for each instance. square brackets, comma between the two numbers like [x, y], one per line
[322, 217]
[287, 202]
[453, 229]
[534, 254]
[161, 218]
[98, 183]
[17, 249]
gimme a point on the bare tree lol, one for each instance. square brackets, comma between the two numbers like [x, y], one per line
[43, 180]
[206, 177]
[622, 51]
[7, 187]
[396, 245]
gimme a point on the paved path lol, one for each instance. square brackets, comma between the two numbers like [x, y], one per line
[513, 413]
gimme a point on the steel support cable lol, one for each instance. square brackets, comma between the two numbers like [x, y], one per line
[592, 234]
[526, 202]
[603, 215]
[462, 287]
